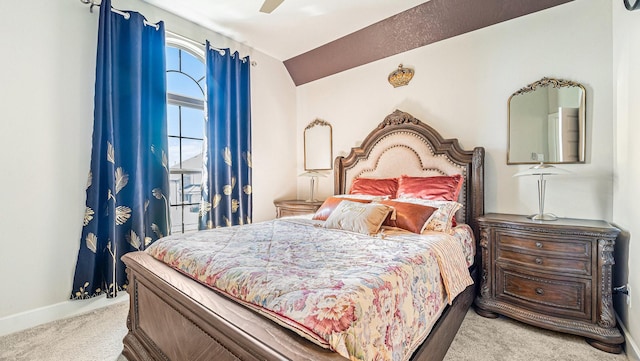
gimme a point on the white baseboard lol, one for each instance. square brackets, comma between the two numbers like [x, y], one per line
[22, 321]
[630, 347]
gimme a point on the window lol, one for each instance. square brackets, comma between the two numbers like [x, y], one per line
[185, 119]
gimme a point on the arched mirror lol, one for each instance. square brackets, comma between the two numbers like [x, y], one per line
[547, 123]
[318, 147]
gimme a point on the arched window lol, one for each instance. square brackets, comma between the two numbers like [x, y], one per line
[185, 118]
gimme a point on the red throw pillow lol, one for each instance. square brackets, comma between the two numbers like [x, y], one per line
[375, 187]
[409, 216]
[330, 205]
[445, 188]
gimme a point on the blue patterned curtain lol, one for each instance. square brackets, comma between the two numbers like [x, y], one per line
[128, 181]
[226, 176]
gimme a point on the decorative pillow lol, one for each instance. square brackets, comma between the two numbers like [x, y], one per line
[357, 217]
[330, 205]
[367, 197]
[441, 219]
[409, 216]
[446, 188]
[376, 187]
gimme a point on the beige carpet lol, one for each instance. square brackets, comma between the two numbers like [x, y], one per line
[97, 336]
[93, 336]
[503, 339]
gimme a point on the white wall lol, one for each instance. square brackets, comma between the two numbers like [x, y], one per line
[626, 198]
[46, 92]
[461, 87]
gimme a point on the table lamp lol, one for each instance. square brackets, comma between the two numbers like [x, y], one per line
[542, 170]
[313, 175]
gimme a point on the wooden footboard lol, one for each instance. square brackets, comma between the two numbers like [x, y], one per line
[173, 317]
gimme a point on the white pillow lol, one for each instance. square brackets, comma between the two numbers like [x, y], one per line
[365, 218]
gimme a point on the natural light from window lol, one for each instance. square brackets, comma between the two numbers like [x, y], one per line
[185, 118]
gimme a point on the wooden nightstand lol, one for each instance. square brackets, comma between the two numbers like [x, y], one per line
[295, 207]
[551, 274]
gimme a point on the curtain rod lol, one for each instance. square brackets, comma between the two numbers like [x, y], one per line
[189, 40]
[221, 51]
[124, 14]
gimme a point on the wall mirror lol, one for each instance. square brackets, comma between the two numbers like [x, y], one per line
[318, 146]
[547, 123]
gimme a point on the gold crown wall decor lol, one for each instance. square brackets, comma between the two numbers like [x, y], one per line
[401, 76]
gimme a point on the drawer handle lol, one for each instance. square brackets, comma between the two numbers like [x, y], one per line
[539, 291]
[539, 244]
[538, 260]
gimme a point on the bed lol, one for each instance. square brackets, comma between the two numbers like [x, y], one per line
[173, 317]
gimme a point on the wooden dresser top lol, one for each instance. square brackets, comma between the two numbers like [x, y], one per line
[515, 221]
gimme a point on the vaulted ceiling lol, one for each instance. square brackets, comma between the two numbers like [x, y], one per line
[317, 38]
[294, 27]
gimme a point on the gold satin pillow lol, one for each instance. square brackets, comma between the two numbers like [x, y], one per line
[365, 218]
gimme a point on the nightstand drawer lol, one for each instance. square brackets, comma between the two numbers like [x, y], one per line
[553, 296]
[580, 266]
[536, 243]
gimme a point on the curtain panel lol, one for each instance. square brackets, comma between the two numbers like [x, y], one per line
[226, 177]
[128, 183]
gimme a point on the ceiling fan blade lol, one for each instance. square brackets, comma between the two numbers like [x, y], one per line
[269, 5]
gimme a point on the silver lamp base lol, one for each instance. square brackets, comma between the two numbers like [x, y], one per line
[543, 217]
[312, 188]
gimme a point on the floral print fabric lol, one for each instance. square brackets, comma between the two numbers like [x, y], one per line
[367, 298]
[464, 235]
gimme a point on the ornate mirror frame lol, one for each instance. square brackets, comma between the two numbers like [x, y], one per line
[318, 146]
[545, 126]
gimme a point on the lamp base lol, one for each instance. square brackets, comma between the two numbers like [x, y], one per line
[312, 189]
[543, 217]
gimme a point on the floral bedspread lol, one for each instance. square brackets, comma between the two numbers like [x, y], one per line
[367, 298]
[464, 234]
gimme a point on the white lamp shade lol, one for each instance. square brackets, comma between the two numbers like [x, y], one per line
[312, 173]
[542, 169]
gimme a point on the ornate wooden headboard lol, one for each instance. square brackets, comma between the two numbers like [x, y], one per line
[402, 144]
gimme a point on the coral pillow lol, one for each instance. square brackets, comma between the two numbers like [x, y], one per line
[409, 216]
[365, 218]
[375, 187]
[445, 188]
[330, 205]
